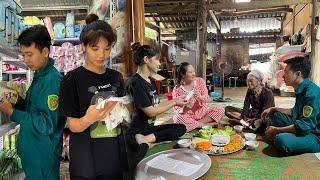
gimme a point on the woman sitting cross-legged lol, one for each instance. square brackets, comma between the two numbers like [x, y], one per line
[258, 98]
[146, 101]
[197, 113]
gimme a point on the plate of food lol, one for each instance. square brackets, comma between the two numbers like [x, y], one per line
[203, 145]
[220, 139]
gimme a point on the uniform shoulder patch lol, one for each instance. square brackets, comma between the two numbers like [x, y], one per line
[53, 102]
[307, 111]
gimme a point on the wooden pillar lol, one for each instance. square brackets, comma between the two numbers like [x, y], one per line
[218, 45]
[139, 21]
[136, 24]
[159, 33]
[315, 47]
[294, 19]
[202, 39]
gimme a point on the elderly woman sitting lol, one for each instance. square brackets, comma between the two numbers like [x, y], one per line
[258, 98]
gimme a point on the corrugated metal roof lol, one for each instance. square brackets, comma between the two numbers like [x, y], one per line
[247, 25]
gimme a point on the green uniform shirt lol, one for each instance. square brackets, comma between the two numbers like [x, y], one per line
[306, 111]
[40, 136]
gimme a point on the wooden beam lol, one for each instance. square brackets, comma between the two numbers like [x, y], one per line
[257, 4]
[176, 29]
[170, 8]
[186, 6]
[167, 1]
[177, 21]
[157, 27]
[251, 35]
[215, 20]
[152, 26]
[256, 11]
[172, 15]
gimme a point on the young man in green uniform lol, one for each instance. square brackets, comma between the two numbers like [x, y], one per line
[296, 130]
[40, 136]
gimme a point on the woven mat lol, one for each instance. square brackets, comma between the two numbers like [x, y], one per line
[264, 163]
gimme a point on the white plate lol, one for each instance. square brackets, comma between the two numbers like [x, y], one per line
[146, 172]
[222, 153]
[220, 140]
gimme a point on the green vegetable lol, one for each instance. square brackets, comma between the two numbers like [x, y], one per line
[207, 133]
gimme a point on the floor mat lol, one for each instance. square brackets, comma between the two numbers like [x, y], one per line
[264, 163]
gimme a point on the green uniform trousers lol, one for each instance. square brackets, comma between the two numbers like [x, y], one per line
[290, 143]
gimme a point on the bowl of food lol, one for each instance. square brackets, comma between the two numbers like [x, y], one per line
[238, 128]
[250, 136]
[220, 140]
[252, 145]
[184, 143]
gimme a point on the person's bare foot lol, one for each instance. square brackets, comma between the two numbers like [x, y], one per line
[140, 138]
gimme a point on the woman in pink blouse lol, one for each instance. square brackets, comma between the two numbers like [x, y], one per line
[197, 113]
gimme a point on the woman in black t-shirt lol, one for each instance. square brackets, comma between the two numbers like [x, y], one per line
[146, 101]
[95, 153]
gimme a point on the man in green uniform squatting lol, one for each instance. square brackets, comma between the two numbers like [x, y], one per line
[296, 130]
[40, 136]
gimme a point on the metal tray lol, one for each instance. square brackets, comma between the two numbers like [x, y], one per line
[146, 172]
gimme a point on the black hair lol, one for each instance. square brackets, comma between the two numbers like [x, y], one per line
[181, 71]
[38, 35]
[143, 50]
[301, 64]
[93, 31]
[91, 18]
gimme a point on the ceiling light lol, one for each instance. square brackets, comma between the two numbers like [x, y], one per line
[242, 1]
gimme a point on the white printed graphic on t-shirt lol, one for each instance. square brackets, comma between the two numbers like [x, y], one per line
[155, 98]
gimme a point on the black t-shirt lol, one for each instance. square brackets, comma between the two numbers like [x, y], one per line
[91, 157]
[144, 95]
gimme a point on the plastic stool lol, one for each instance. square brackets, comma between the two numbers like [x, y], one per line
[235, 81]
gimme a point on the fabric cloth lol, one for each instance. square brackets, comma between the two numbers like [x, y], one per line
[305, 116]
[91, 157]
[199, 108]
[40, 137]
[144, 95]
[258, 104]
